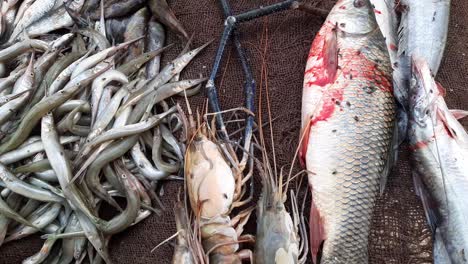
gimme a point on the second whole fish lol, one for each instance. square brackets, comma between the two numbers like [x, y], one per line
[439, 145]
[348, 121]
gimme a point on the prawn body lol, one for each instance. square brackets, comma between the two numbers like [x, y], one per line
[211, 188]
[209, 177]
[277, 236]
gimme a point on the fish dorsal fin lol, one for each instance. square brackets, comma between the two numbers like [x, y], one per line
[451, 124]
[441, 89]
[442, 117]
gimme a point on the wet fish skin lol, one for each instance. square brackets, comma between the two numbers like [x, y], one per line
[155, 40]
[348, 122]
[423, 32]
[36, 11]
[165, 15]
[58, 18]
[115, 28]
[121, 8]
[439, 146]
[136, 28]
[387, 18]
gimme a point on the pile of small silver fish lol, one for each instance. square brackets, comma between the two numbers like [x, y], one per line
[84, 121]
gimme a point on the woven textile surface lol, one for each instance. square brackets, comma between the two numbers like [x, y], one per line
[399, 232]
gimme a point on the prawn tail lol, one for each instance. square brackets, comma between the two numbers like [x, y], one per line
[220, 240]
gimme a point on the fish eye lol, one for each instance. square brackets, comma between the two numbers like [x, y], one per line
[358, 3]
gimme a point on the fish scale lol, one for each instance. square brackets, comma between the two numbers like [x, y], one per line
[348, 118]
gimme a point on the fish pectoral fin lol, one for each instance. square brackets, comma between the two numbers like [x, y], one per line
[451, 124]
[317, 231]
[330, 53]
[441, 89]
[323, 59]
[429, 204]
[304, 142]
[459, 114]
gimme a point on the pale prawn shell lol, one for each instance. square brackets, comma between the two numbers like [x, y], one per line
[287, 257]
[209, 178]
[290, 256]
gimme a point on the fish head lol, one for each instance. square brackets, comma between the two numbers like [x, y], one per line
[429, 116]
[75, 5]
[425, 100]
[423, 93]
[355, 17]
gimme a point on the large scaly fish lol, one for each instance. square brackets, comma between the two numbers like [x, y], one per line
[439, 144]
[348, 122]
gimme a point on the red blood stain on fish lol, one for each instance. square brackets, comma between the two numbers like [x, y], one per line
[419, 145]
[361, 68]
[393, 46]
[323, 58]
[321, 77]
[377, 12]
[329, 99]
[326, 110]
[324, 68]
[343, 7]
[331, 70]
